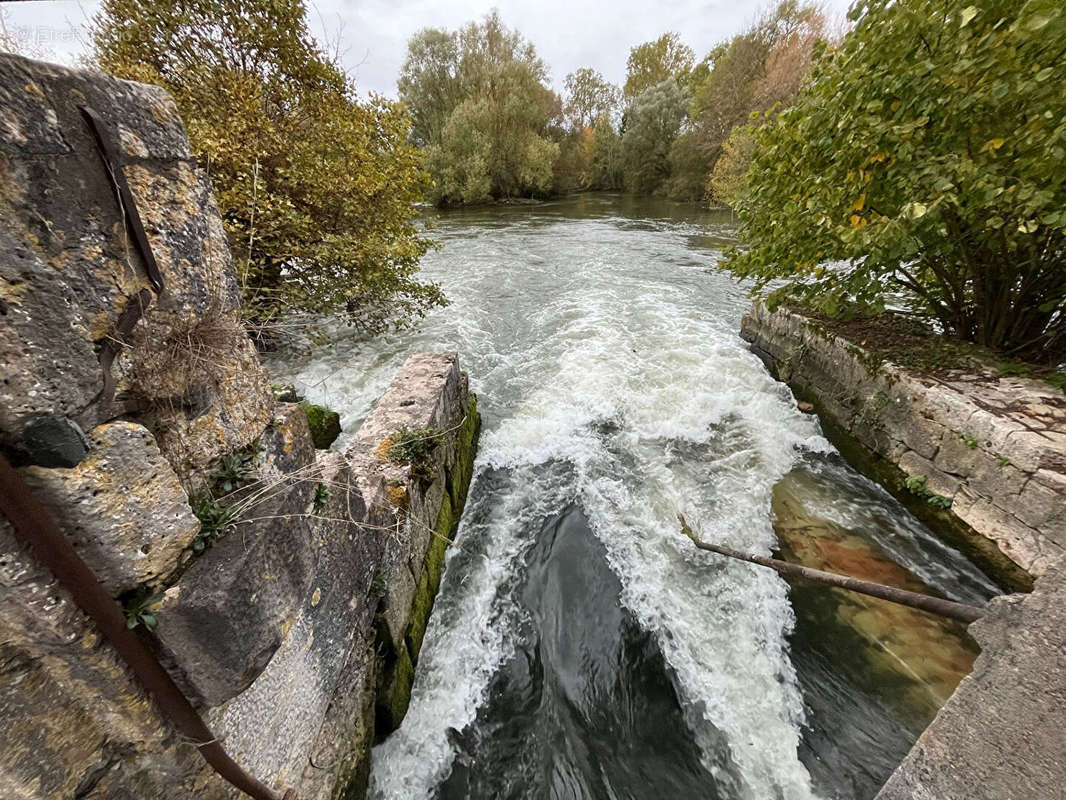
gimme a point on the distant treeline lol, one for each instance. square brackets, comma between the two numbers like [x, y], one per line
[491, 127]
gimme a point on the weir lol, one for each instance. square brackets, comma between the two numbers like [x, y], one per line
[297, 582]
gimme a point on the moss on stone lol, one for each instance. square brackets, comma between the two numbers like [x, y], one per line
[429, 583]
[325, 424]
[395, 694]
[465, 450]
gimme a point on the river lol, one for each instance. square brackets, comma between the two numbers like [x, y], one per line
[580, 646]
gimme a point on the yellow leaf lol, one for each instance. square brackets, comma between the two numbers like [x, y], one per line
[992, 145]
[857, 221]
[859, 204]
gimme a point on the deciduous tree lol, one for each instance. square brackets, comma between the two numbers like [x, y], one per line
[653, 123]
[590, 96]
[651, 63]
[316, 188]
[925, 160]
[485, 112]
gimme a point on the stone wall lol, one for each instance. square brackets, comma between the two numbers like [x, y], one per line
[296, 581]
[990, 450]
[999, 736]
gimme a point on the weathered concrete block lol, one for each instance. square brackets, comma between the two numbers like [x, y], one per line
[999, 736]
[428, 393]
[1023, 545]
[223, 621]
[68, 706]
[122, 507]
[70, 271]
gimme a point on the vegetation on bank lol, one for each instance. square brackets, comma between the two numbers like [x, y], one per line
[490, 126]
[316, 187]
[924, 167]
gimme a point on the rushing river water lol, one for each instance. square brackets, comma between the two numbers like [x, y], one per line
[580, 646]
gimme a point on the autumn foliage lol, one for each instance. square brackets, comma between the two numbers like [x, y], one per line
[316, 187]
[923, 168]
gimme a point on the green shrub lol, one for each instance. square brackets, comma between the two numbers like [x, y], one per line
[927, 159]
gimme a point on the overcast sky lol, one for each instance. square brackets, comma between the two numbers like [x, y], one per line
[373, 34]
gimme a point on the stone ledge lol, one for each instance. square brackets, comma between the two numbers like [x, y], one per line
[999, 736]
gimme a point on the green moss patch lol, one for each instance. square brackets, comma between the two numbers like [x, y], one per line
[395, 694]
[325, 424]
[429, 583]
[465, 450]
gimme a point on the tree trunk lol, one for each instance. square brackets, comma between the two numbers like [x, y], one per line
[923, 602]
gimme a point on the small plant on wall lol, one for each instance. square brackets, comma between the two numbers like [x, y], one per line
[916, 485]
[412, 446]
[138, 608]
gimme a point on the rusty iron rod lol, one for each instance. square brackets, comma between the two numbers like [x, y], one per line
[37, 530]
[103, 133]
[924, 602]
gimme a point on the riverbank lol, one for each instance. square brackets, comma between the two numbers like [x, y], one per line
[978, 456]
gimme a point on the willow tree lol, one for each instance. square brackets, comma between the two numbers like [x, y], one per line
[483, 112]
[316, 188]
[651, 63]
[653, 122]
[926, 161]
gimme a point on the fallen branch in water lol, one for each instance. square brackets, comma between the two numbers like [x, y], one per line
[924, 602]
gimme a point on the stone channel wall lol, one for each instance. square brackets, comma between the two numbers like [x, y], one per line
[989, 451]
[999, 736]
[296, 582]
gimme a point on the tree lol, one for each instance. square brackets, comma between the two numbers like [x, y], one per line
[605, 170]
[429, 83]
[590, 96]
[483, 112]
[925, 160]
[728, 183]
[755, 70]
[689, 166]
[653, 123]
[651, 63]
[315, 188]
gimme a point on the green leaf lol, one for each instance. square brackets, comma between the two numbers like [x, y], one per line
[966, 15]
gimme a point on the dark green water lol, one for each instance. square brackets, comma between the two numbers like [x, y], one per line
[580, 647]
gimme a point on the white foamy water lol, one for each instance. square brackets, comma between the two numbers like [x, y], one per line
[606, 355]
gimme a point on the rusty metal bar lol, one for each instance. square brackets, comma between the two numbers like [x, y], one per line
[113, 161]
[36, 529]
